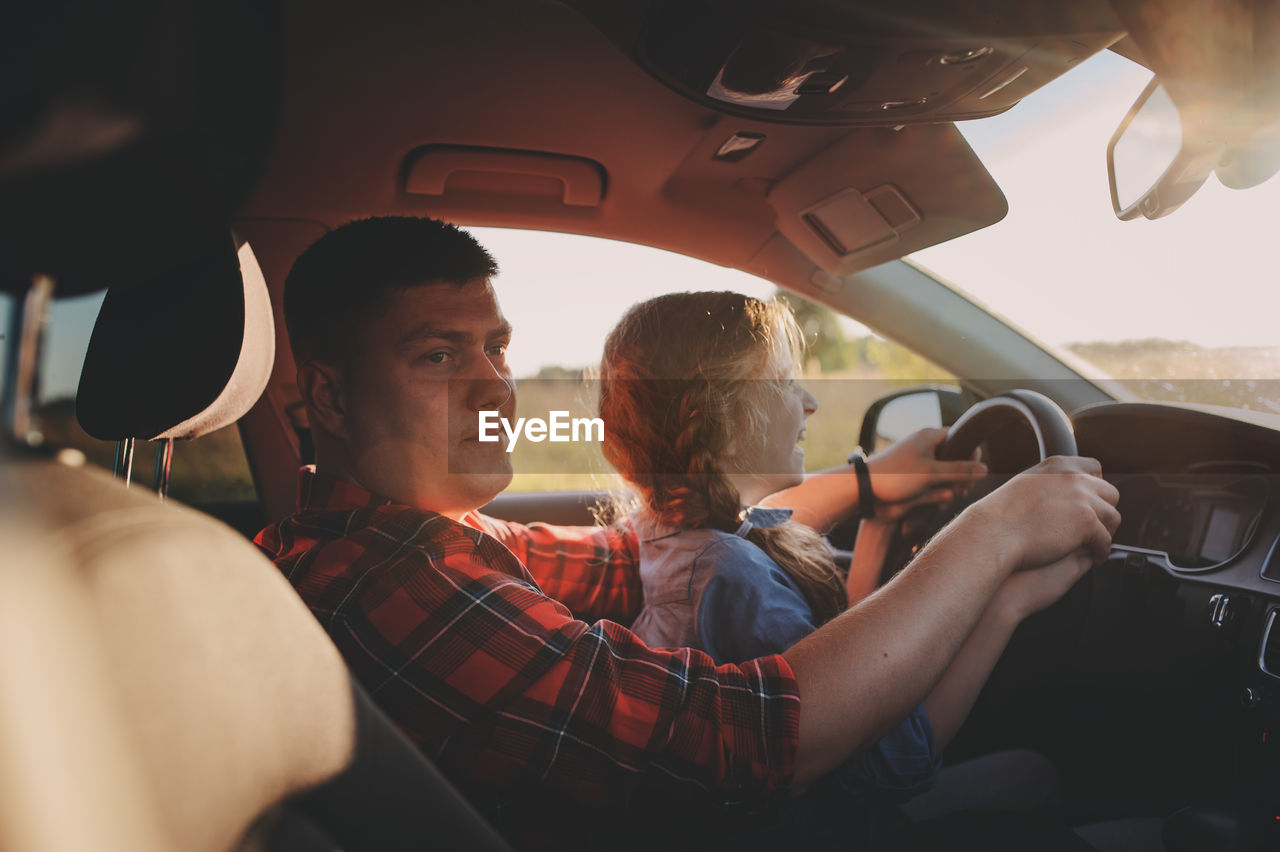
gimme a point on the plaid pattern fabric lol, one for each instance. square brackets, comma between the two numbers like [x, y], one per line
[500, 685]
[594, 571]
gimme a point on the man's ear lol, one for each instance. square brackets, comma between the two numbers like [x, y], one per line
[321, 388]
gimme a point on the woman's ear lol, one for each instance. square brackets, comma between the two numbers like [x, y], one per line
[321, 388]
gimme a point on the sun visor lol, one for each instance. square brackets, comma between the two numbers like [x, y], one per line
[877, 195]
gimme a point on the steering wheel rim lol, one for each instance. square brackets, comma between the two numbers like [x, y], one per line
[1049, 423]
[1053, 433]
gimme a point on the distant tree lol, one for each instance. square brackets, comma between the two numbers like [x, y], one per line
[552, 372]
[824, 340]
[893, 361]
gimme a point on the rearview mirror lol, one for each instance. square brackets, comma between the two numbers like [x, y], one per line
[1254, 161]
[1156, 160]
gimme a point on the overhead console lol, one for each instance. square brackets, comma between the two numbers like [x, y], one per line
[855, 63]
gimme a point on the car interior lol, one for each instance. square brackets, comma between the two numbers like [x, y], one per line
[162, 681]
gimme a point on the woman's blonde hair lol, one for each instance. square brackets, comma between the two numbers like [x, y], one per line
[680, 376]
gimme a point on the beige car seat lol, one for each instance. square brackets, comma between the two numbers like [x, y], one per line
[215, 693]
[161, 685]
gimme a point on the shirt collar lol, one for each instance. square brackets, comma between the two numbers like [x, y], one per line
[318, 490]
[647, 529]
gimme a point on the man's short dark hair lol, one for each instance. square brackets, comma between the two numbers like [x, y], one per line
[345, 276]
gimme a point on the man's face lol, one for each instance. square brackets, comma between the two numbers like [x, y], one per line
[418, 375]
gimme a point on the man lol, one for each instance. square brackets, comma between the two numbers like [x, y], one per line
[476, 635]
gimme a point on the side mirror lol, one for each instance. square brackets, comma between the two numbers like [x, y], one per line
[892, 418]
[1156, 160]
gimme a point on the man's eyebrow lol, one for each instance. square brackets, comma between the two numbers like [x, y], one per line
[428, 331]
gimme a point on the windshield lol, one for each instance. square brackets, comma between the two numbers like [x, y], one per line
[1180, 309]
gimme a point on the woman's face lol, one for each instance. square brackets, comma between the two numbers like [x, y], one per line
[764, 456]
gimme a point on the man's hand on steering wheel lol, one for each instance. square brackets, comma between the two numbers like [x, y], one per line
[1060, 508]
[909, 474]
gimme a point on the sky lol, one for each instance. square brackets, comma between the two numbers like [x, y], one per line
[1063, 267]
[1060, 265]
[596, 281]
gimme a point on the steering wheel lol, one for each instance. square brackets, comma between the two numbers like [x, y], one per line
[1016, 429]
[1050, 427]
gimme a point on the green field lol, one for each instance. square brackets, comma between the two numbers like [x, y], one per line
[1245, 377]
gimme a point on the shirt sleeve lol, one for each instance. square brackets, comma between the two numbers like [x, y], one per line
[594, 571]
[750, 608]
[503, 688]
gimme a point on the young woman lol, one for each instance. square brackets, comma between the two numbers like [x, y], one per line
[704, 417]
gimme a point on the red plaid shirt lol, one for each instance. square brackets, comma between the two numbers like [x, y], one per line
[461, 634]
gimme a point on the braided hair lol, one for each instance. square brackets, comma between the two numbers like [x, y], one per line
[680, 376]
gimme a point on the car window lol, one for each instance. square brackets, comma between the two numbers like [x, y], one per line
[564, 293]
[205, 471]
[559, 336]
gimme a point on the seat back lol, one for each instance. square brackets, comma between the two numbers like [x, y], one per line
[164, 687]
[161, 685]
[228, 690]
[71, 776]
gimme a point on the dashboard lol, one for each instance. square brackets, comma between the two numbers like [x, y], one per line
[1164, 662]
[1195, 520]
[1198, 491]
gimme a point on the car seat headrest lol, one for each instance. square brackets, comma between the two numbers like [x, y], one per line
[182, 354]
[132, 131]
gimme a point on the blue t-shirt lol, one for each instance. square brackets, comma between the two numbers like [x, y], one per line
[720, 593]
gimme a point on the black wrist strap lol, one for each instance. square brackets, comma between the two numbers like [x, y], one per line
[866, 497]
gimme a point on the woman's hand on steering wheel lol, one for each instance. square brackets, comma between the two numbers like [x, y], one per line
[909, 474]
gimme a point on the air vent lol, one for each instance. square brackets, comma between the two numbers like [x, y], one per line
[1269, 653]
